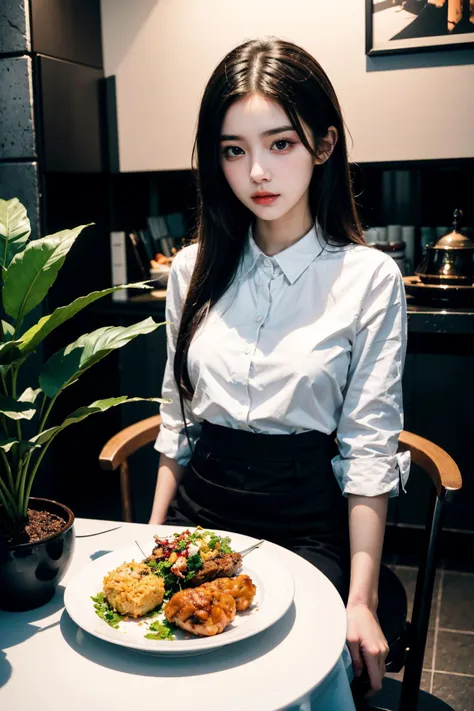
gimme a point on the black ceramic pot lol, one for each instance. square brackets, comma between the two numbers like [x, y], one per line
[30, 572]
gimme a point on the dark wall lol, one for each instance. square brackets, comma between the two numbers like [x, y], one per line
[68, 29]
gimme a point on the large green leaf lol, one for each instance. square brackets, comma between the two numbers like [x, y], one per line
[33, 271]
[29, 395]
[92, 409]
[65, 366]
[7, 444]
[22, 408]
[33, 337]
[9, 352]
[16, 410]
[7, 331]
[14, 230]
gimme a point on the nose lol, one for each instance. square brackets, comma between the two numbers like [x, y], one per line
[258, 172]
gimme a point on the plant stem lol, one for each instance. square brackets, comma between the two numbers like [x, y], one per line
[7, 508]
[45, 397]
[11, 483]
[4, 382]
[23, 488]
[3, 418]
[22, 474]
[24, 506]
[5, 426]
[12, 505]
[14, 378]
[21, 483]
[48, 410]
[21, 477]
[17, 422]
[18, 323]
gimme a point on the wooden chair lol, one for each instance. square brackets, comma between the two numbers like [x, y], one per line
[407, 639]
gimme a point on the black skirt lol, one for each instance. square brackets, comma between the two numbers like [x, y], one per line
[278, 487]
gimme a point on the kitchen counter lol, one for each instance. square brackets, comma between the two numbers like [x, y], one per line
[431, 319]
[421, 319]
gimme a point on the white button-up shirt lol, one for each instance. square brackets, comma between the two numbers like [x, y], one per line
[313, 338]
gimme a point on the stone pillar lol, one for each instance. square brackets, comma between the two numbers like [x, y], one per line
[18, 141]
[19, 174]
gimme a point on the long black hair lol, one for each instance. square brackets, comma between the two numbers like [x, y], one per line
[285, 73]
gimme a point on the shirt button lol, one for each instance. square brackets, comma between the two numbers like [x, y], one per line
[258, 318]
[268, 263]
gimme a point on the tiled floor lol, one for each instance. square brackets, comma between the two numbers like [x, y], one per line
[448, 670]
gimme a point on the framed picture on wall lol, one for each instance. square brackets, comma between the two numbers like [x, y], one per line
[418, 25]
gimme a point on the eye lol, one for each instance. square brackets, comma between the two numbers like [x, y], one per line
[226, 154]
[283, 140]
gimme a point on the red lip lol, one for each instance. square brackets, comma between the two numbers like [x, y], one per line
[264, 194]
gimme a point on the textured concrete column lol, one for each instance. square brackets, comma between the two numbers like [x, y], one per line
[18, 144]
[19, 175]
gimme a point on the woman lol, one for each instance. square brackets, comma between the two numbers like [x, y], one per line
[284, 331]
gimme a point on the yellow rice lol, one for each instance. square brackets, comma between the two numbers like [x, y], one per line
[132, 589]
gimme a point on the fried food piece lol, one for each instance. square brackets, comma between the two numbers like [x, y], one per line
[157, 554]
[224, 565]
[241, 588]
[203, 612]
[132, 589]
[180, 567]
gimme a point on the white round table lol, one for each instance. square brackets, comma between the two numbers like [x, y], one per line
[49, 663]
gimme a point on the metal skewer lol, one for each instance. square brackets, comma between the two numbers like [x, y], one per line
[251, 548]
[141, 549]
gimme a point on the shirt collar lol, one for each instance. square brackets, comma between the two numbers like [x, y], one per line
[293, 260]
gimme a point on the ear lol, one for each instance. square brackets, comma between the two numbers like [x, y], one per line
[326, 146]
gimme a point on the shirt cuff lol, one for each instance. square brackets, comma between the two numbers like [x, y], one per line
[175, 445]
[372, 476]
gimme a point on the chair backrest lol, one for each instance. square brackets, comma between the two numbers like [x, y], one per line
[435, 461]
[127, 441]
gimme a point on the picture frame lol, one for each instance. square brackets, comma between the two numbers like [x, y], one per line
[401, 26]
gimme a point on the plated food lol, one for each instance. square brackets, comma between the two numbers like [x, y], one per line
[189, 581]
[152, 633]
[200, 611]
[132, 589]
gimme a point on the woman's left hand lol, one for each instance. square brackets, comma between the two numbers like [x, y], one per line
[367, 644]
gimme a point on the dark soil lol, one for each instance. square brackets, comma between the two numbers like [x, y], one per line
[39, 525]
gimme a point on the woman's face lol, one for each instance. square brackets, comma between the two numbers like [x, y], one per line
[260, 151]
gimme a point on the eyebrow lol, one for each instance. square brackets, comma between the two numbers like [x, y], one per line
[270, 132]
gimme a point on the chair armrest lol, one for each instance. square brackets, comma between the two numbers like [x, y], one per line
[435, 461]
[127, 441]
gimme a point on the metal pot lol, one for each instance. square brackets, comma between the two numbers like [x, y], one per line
[451, 260]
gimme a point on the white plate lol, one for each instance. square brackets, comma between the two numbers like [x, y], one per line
[275, 591]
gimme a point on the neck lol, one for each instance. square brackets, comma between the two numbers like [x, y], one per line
[273, 236]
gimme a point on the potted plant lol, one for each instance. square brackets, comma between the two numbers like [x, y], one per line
[37, 535]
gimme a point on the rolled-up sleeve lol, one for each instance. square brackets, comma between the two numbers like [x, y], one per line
[368, 463]
[172, 439]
